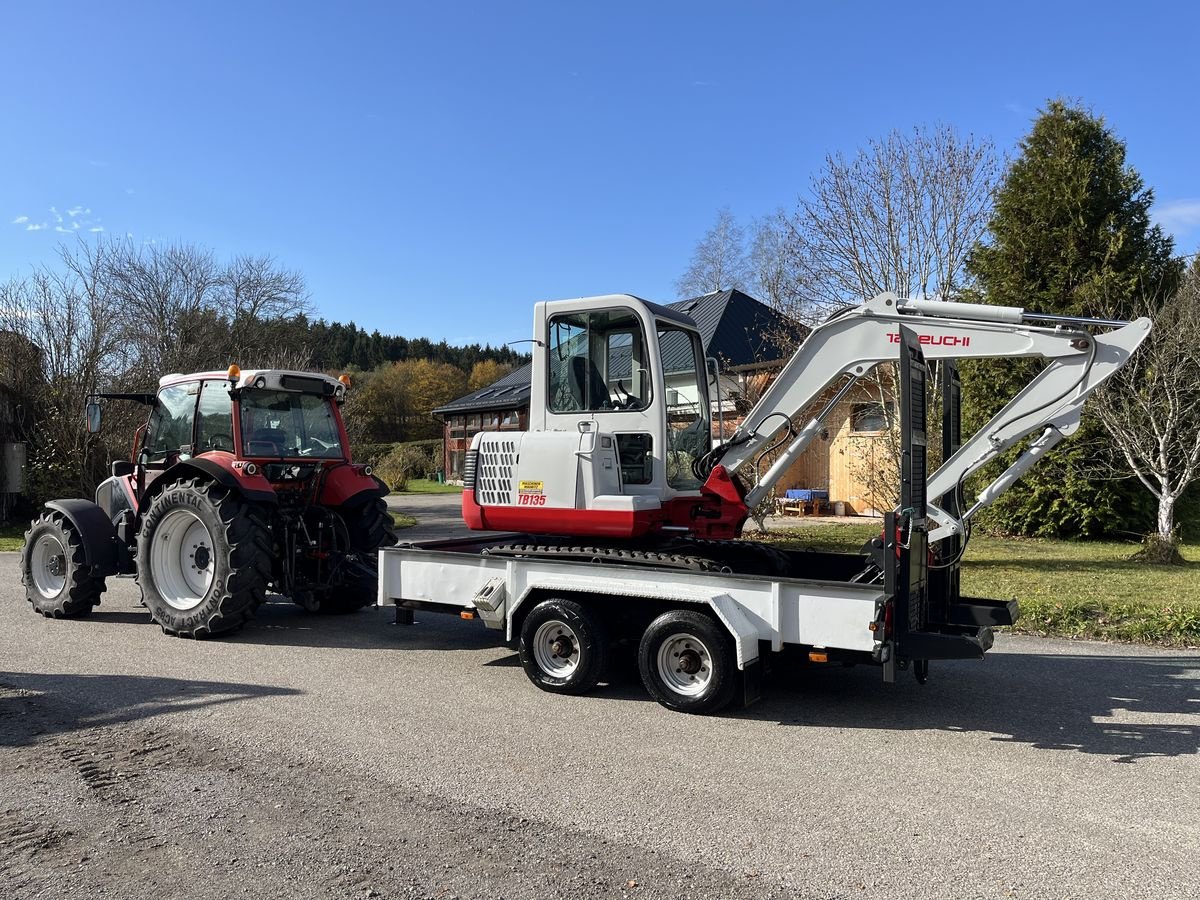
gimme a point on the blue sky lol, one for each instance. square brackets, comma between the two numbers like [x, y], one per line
[433, 169]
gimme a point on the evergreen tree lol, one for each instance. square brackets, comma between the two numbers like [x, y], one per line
[1070, 235]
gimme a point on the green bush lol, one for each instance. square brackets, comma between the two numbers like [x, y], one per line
[414, 459]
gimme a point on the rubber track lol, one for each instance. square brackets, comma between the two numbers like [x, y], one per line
[736, 554]
[600, 555]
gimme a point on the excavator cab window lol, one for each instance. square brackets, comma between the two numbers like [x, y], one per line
[598, 362]
[689, 432]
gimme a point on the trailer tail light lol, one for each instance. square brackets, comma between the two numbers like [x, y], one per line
[818, 656]
[467, 614]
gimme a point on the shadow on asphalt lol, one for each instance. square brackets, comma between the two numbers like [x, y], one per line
[1102, 705]
[283, 624]
[36, 705]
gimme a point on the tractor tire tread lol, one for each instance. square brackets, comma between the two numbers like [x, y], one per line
[83, 589]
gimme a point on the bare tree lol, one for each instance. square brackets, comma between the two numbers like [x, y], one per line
[259, 299]
[901, 215]
[1151, 408]
[68, 341]
[719, 261]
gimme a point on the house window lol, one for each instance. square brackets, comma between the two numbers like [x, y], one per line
[511, 419]
[867, 418]
[457, 424]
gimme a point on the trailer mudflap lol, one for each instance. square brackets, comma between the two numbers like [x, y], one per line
[979, 611]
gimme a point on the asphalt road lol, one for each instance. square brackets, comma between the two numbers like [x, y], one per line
[331, 757]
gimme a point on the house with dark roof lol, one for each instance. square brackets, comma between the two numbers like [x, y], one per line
[751, 341]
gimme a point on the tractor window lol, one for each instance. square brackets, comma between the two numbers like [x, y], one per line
[598, 362]
[170, 426]
[289, 424]
[214, 418]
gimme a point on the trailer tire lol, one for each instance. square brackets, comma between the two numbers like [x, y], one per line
[687, 662]
[58, 581]
[563, 647]
[214, 586]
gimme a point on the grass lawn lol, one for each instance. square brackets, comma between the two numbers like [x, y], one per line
[426, 486]
[1084, 589]
[12, 537]
[401, 520]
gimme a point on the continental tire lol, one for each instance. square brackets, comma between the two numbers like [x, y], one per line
[564, 647]
[687, 662]
[58, 581]
[370, 527]
[203, 558]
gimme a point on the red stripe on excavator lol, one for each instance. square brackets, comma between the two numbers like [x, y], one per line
[608, 523]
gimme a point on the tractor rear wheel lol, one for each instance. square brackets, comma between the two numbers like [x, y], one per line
[58, 581]
[369, 527]
[204, 559]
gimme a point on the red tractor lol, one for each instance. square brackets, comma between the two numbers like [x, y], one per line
[238, 483]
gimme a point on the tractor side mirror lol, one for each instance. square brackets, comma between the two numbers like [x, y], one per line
[94, 417]
[714, 370]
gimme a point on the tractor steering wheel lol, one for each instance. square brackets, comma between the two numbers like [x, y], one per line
[220, 442]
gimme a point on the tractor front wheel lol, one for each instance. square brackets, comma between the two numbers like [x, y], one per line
[58, 581]
[204, 559]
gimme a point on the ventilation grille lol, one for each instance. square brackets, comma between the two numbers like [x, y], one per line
[494, 477]
[469, 470]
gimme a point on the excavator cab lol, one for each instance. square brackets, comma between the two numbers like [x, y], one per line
[619, 420]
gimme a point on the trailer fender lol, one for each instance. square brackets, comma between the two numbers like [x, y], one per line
[95, 529]
[745, 635]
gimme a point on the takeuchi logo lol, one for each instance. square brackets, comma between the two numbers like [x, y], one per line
[935, 340]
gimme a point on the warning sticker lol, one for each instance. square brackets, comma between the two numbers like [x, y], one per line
[529, 487]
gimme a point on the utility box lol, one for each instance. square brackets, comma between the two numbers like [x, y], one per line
[12, 468]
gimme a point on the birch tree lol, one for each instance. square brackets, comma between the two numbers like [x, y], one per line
[1151, 410]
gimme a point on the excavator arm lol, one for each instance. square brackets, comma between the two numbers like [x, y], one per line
[1083, 353]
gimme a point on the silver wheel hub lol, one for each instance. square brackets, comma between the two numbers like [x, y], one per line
[685, 664]
[181, 559]
[48, 566]
[556, 648]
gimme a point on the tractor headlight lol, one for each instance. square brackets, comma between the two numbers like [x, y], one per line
[250, 469]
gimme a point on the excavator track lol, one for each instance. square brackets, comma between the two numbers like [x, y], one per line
[625, 556]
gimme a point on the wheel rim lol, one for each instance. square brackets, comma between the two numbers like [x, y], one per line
[48, 566]
[556, 648]
[181, 559]
[685, 664]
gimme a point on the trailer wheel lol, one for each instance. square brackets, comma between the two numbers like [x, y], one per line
[204, 559]
[687, 662]
[58, 581]
[563, 647]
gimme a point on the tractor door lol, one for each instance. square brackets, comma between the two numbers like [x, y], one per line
[170, 430]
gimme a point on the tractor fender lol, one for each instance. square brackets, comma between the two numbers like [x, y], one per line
[95, 530]
[349, 487]
[252, 487]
